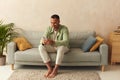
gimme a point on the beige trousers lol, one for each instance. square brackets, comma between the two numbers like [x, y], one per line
[44, 49]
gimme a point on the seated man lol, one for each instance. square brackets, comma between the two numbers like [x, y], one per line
[55, 39]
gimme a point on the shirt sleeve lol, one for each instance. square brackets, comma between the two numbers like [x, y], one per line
[45, 36]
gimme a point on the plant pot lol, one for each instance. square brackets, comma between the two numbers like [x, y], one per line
[2, 60]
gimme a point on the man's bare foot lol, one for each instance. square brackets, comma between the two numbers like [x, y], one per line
[53, 74]
[48, 64]
[48, 73]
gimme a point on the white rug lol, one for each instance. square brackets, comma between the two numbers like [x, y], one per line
[30, 74]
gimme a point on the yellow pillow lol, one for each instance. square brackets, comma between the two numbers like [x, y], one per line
[98, 42]
[22, 43]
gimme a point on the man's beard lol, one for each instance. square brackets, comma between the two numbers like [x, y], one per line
[56, 28]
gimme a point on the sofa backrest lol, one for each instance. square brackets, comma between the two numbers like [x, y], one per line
[76, 38]
[33, 37]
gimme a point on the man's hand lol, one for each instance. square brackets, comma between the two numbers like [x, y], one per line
[49, 42]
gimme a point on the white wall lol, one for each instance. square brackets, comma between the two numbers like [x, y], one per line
[103, 16]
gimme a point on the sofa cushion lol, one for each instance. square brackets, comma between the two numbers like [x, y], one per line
[77, 55]
[74, 55]
[22, 43]
[98, 42]
[88, 43]
[31, 55]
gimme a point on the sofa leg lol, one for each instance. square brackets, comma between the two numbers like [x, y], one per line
[12, 66]
[102, 68]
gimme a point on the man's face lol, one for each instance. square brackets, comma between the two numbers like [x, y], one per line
[55, 23]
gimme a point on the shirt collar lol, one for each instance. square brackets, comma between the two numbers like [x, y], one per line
[58, 29]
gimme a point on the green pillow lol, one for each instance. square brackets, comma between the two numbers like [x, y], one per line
[88, 43]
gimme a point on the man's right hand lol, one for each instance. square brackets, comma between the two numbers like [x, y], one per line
[49, 42]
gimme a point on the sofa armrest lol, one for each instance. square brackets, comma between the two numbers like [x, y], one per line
[11, 48]
[104, 54]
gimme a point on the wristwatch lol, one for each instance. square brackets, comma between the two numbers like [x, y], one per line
[43, 44]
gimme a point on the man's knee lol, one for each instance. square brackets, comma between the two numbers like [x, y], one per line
[63, 49]
[41, 47]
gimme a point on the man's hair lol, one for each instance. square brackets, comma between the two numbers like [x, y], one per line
[55, 16]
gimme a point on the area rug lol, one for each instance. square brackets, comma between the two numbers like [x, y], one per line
[30, 74]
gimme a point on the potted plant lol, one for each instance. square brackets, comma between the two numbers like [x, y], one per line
[7, 33]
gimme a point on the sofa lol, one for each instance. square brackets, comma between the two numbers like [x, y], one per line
[75, 57]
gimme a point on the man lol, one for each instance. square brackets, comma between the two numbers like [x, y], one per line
[55, 39]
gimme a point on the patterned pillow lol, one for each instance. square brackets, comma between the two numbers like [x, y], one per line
[96, 45]
[22, 43]
[88, 43]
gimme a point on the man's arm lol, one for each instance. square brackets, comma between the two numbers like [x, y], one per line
[45, 36]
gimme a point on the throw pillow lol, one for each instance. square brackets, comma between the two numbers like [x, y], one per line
[88, 43]
[96, 45]
[22, 43]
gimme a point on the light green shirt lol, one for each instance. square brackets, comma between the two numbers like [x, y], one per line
[62, 36]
